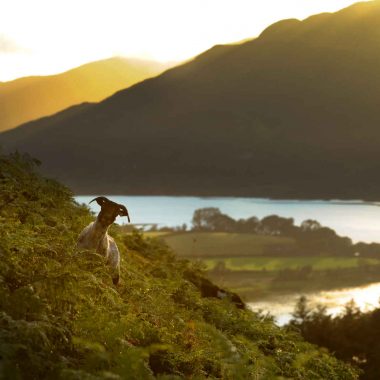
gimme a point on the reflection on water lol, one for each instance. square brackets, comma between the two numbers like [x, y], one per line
[281, 307]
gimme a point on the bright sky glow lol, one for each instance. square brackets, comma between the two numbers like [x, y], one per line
[49, 36]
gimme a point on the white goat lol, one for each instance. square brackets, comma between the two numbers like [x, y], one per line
[95, 236]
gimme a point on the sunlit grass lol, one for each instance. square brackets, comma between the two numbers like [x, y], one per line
[220, 244]
[279, 263]
[155, 234]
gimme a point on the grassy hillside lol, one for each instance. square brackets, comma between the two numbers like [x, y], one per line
[29, 98]
[61, 317]
[290, 114]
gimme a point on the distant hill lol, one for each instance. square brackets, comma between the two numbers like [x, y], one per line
[292, 114]
[25, 99]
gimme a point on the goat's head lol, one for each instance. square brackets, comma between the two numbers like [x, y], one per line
[110, 210]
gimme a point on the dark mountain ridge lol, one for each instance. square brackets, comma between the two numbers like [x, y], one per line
[291, 114]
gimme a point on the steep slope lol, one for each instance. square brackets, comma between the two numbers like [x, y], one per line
[293, 113]
[29, 98]
[61, 317]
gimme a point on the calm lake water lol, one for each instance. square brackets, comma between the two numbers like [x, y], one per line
[358, 220]
[281, 307]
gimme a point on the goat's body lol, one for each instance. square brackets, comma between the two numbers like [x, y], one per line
[95, 237]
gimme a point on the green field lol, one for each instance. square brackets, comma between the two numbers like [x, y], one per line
[280, 263]
[220, 244]
[156, 234]
[250, 252]
[252, 265]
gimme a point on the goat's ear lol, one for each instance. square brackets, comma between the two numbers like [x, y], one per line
[124, 212]
[100, 200]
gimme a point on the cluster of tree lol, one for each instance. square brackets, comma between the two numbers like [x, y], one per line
[353, 336]
[311, 237]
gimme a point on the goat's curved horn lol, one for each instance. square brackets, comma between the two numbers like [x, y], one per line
[99, 200]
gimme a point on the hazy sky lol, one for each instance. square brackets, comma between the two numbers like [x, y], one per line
[49, 36]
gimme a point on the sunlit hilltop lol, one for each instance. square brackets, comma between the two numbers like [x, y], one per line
[30, 98]
[44, 37]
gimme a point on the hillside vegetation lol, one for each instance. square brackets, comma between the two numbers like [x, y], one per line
[353, 335]
[61, 317]
[292, 114]
[30, 98]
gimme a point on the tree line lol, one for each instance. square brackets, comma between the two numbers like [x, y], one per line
[310, 236]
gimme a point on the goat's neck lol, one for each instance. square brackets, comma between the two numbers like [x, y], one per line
[99, 230]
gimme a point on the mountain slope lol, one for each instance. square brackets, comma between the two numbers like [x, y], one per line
[293, 113]
[61, 317]
[29, 98]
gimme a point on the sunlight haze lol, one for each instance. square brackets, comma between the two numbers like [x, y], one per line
[43, 37]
